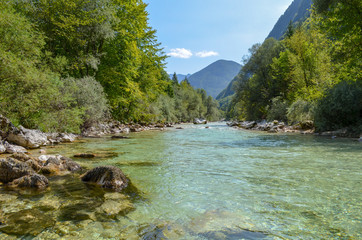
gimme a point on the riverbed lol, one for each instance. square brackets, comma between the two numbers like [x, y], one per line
[199, 183]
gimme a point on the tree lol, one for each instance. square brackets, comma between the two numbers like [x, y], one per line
[174, 79]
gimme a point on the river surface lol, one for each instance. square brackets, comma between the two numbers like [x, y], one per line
[200, 183]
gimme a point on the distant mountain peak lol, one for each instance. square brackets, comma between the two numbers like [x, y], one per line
[215, 77]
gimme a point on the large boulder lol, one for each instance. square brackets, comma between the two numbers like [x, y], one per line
[31, 181]
[28, 138]
[33, 162]
[107, 177]
[11, 169]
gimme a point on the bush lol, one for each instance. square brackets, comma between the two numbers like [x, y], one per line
[300, 111]
[278, 110]
[341, 107]
[89, 96]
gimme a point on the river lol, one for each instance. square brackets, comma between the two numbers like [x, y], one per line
[200, 183]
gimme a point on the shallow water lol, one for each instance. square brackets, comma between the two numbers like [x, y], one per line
[200, 183]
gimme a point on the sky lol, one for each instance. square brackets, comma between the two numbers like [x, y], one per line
[196, 33]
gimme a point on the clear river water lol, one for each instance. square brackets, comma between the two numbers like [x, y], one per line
[199, 183]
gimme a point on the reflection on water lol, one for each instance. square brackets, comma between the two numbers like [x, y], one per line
[198, 183]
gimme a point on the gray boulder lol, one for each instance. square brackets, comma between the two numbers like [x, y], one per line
[14, 148]
[28, 138]
[11, 169]
[107, 177]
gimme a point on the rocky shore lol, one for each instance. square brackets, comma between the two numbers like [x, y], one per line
[20, 170]
[306, 127]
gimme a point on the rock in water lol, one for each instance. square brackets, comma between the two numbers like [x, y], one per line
[200, 121]
[31, 181]
[119, 137]
[27, 222]
[11, 169]
[107, 177]
[55, 164]
[85, 155]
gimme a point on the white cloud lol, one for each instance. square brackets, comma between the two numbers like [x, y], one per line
[180, 53]
[204, 54]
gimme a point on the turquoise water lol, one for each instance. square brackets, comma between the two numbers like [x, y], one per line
[202, 183]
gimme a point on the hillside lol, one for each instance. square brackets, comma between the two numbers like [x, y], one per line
[215, 77]
[228, 91]
[296, 12]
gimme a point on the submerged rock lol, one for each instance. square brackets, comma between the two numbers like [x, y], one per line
[31, 181]
[27, 222]
[85, 155]
[114, 207]
[107, 177]
[161, 231]
[233, 234]
[119, 137]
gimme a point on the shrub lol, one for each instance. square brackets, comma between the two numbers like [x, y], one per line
[89, 96]
[300, 111]
[277, 110]
[341, 107]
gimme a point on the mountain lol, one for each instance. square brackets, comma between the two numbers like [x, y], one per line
[228, 91]
[215, 77]
[180, 77]
[296, 12]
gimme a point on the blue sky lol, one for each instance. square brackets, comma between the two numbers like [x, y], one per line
[195, 33]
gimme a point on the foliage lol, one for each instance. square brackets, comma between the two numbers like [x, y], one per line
[256, 86]
[89, 96]
[300, 111]
[277, 110]
[29, 93]
[341, 107]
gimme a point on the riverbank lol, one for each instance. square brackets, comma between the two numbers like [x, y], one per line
[19, 139]
[306, 127]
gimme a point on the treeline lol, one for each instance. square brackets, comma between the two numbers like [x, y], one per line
[314, 73]
[69, 64]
